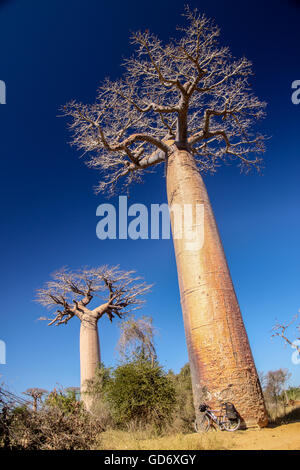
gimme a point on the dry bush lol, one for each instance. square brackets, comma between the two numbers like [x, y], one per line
[51, 429]
[184, 412]
[101, 411]
[275, 410]
[277, 397]
[282, 414]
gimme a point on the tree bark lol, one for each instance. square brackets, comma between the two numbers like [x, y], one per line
[34, 404]
[221, 361]
[89, 356]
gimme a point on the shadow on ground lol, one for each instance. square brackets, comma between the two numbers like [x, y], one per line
[292, 416]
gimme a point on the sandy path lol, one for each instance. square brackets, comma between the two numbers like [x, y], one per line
[285, 437]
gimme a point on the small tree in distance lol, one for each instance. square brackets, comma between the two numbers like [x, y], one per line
[36, 394]
[118, 293]
[74, 391]
[275, 383]
[137, 338]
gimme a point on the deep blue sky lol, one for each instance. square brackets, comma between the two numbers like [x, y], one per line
[54, 51]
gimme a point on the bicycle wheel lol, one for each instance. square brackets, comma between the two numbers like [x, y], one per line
[231, 424]
[202, 424]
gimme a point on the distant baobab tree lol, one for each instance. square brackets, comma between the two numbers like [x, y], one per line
[187, 104]
[117, 292]
[36, 395]
[73, 391]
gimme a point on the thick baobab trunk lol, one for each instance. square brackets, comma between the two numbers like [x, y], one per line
[221, 361]
[89, 356]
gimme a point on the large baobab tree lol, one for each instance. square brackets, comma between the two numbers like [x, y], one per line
[187, 104]
[116, 293]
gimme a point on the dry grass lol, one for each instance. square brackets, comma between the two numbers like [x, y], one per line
[276, 412]
[283, 433]
[139, 440]
[280, 414]
[285, 415]
[276, 437]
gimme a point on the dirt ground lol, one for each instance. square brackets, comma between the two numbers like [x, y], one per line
[280, 437]
[284, 437]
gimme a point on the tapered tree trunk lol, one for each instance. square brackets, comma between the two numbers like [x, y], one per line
[221, 361]
[89, 356]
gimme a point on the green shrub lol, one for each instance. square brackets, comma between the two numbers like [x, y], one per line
[140, 391]
[65, 401]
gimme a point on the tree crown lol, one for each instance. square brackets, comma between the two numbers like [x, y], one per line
[190, 92]
[35, 392]
[119, 292]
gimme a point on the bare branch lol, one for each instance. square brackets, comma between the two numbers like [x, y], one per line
[280, 330]
[191, 91]
[137, 338]
[120, 292]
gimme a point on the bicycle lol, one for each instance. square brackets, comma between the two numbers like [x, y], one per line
[222, 422]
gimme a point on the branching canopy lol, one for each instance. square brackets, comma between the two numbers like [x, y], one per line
[35, 392]
[72, 291]
[190, 92]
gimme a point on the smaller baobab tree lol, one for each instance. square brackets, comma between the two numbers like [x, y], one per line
[137, 338]
[74, 392]
[118, 292]
[36, 395]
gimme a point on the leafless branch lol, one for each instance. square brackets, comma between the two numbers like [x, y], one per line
[280, 330]
[137, 337]
[120, 292]
[191, 91]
